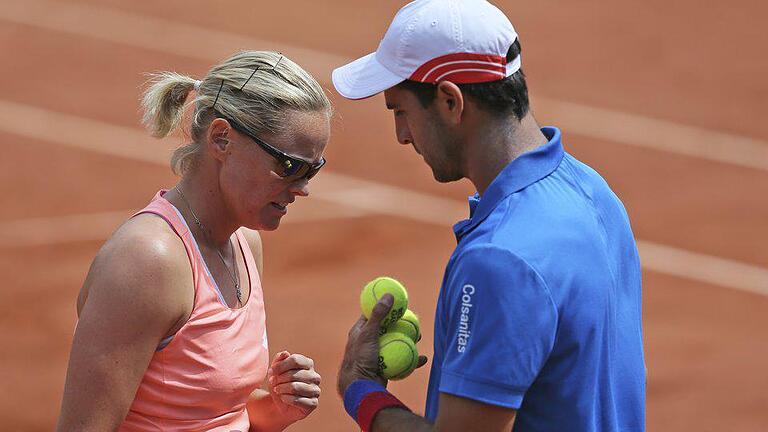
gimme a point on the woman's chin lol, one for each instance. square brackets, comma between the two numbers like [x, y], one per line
[266, 223]
[270, 226]
[267, 219]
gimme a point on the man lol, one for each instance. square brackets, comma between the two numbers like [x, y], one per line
[538, 322]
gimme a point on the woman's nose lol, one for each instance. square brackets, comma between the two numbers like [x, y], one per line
[300, 188]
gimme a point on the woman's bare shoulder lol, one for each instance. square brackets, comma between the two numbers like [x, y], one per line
[143, 259]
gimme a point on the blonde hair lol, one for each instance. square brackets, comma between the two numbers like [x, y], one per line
[253, 88]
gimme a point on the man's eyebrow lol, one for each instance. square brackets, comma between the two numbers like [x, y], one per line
[391, 106]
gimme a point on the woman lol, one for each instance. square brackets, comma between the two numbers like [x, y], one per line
[171, 330]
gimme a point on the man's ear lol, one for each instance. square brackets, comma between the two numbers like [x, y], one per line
[217, 138]
[450, 102]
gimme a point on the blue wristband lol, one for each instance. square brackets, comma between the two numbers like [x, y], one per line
[356, 392]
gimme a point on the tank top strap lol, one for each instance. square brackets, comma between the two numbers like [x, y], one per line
[163, 208]
[253, 270]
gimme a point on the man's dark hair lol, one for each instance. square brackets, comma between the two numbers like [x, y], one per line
[500, 97]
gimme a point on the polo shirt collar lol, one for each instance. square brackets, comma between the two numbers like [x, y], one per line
[523, 171]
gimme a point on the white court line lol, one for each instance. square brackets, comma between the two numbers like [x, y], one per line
[105, 138]
[65, 229]
[46, 231]
[156, 34]
[41, 124]
[345, 192]
[58, 230]
[703, 268]
[661, 135]
[100, 137]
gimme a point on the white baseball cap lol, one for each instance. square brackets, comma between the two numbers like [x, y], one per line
[462, 41]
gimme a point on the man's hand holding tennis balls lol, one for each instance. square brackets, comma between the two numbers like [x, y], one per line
[361, 356]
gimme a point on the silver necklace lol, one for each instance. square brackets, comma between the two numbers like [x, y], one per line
[202, 229]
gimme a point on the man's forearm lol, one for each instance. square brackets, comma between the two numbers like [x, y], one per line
[398, 419]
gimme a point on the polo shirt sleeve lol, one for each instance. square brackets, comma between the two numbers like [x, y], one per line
[501, 327]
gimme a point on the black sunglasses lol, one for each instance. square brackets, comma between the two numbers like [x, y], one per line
[290, 166]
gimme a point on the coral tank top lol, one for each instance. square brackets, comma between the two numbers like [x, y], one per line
[200, 378]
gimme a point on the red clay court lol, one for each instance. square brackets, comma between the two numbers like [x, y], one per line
[667, 100]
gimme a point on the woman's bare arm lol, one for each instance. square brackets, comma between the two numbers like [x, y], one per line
[137, 291]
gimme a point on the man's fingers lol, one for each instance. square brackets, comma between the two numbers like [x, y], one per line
[422, 361]
[379, 312]
[356, 328]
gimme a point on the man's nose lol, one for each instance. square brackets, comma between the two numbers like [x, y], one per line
[403, 133]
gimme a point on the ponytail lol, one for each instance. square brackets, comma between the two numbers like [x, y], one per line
[163, 101]
[163, 105]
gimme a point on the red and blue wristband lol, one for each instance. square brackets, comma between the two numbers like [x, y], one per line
[363, 399]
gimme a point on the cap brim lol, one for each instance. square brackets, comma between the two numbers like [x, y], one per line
[363, 78]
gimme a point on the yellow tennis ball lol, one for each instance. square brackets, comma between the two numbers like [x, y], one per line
[397, 356]
[407, 325]
[376, 288]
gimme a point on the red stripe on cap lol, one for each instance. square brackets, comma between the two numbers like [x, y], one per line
[462, 68]
[469, 76]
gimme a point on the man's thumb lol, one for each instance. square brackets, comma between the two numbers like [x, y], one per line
[380, 310]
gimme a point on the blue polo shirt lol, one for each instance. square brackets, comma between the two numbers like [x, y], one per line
[539, 310]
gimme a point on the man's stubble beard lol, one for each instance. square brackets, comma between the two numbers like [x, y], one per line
[446, 167]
